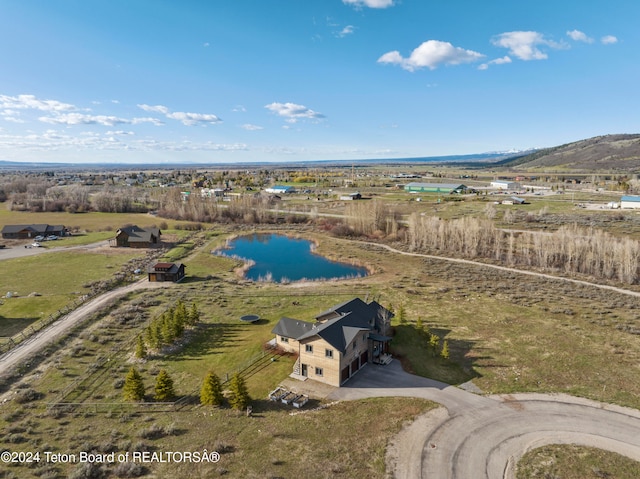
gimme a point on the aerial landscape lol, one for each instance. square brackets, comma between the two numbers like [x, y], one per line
[330, 238]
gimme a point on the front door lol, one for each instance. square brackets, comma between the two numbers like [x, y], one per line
[304, 371]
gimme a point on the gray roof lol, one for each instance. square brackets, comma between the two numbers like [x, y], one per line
[349, 318]
[40, 228]
[292, 328]
[141, 235]
[340, 331]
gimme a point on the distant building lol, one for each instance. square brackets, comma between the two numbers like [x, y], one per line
[630, 202]
[31, 231]
[351, 197]
[280, 189]
[504, 185]
[435, 188]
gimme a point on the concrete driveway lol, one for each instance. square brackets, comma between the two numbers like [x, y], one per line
[475, 437]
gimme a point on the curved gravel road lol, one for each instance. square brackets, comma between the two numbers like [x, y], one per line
[480, 437]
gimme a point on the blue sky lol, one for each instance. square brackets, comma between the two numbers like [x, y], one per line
[290, 80]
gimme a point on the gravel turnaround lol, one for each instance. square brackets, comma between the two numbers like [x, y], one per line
[482, 437]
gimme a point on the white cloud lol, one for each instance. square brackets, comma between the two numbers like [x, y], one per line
[293, 112]
[579, 36]
[239, 108]
[348, 30]
[120, 133]
[369, 3]
[524, 45]
[431, 54]
[609, 40]
[250, 127]
[154, 109]
[83, 119]
[497, 61]
[188, 119]
[22, 102]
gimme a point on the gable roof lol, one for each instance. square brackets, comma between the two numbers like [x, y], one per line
[338, 325]
[140, 235]
[339, 332]
[40, 228]
[169, 268]
[292, 328]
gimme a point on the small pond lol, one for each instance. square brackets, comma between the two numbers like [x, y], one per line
[282, 259]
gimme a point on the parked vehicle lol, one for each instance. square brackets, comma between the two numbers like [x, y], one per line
[35, 244]
[38, 238]
[52, 238]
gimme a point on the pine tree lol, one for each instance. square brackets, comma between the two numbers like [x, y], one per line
[445, 350]
[211, 391]
[194, 315]
[434, 341]
[141, 348]
[401, 314]
[419, 325]
[164, 387]
[133, 389]
[166, 329]
[239, 396]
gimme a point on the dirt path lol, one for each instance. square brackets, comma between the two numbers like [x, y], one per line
[478, 437]
[505, 268]
[62, 326]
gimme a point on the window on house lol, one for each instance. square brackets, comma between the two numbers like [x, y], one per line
[283, 339]
[328, 353]
[355, 344]
[308, 348]
[318, 371]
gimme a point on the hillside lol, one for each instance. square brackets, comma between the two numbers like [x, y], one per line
[609, 152]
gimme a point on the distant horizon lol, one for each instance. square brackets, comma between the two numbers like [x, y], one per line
[336, 80]
[478, 157]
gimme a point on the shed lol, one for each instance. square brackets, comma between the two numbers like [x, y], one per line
[160, 272]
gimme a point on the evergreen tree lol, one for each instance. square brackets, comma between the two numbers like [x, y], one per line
[194, 315]
[211, 391]
[402, 314]
[166, 329]
[445, 350]
[141, 348]
[239, 396]
[434, 341]
[133, 389]
[164, 387]
[419, 325]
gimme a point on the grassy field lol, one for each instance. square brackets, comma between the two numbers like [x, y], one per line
[575, 462]
[58, 278]
[507, 332]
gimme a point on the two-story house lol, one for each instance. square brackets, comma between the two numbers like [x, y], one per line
[339, 343]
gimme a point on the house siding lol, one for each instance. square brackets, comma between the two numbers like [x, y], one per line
[317, 359]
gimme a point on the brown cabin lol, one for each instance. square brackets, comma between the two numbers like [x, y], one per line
[166, 272]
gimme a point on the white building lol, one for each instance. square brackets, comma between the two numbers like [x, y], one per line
[631, 202]
[504, 185]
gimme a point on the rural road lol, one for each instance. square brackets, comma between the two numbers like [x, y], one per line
[480, 437]
[21, 251]
[38, 341]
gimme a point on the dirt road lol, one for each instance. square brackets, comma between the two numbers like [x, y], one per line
[478, 437]
[39, 340]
